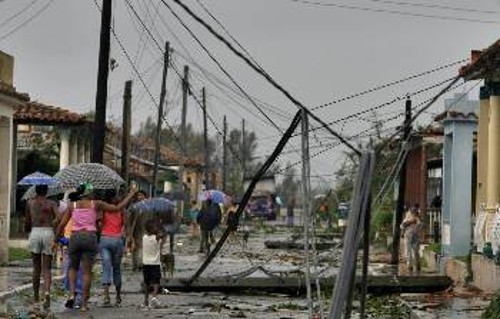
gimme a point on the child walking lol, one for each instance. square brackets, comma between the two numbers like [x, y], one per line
[152, 244]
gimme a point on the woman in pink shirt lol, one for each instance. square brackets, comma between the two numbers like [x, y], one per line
[83, 242]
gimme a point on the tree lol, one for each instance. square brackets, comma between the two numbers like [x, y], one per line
[289, 187]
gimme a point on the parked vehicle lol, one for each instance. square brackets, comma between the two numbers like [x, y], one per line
[263, 203]
[263, 206]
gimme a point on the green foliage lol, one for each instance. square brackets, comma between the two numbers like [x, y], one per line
[37, 160]
[434, 247]
[493, 309]
[382, 221]
[385, 307]
[16, 254]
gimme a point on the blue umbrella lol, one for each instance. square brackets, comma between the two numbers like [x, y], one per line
[153, 205]
[37, 178]
[217, 196]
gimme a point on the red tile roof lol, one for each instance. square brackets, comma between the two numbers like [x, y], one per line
[484, 63]
[40, 114]
[454, 115]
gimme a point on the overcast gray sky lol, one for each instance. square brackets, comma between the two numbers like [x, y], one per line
[320, 50]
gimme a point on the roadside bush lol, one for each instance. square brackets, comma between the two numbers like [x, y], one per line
[381, 225]
[493, 310]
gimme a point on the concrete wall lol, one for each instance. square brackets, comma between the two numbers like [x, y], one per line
[486, 273]
[5, 181]
[6, 68]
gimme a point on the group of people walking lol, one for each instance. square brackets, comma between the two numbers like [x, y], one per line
[84, 226]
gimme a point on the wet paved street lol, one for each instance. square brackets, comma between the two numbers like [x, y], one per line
[232, 260]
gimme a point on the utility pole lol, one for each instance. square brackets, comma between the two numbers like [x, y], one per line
[224, 155]
[127, 124]
[163, 92]
[306, 169]
[102, 84]
[205, 139]
[243, 142]
[185, 91]
[400, 205]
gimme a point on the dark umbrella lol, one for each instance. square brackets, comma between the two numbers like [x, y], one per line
[153, 205]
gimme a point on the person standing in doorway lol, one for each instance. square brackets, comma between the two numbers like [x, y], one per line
[411, 226]
[41, 214]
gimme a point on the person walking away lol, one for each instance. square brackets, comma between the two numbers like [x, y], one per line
[193, 214]
[411, 226]
[136, 222]
[208, 219]
[152, 242]
[111, 248]
[169, 225]
[290, 212]
[83, 242]
[41, 214]
[231, 220]
[69, 197]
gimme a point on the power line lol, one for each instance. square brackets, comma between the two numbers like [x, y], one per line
[436, 6]
[261, 72]
[224, 70]
[178, 74]
[396, 12]
[386, 85]
[129, 59]
[26, 22]
[17, 14]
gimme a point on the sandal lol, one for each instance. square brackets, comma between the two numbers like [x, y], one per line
[46, 302]
[70, 303]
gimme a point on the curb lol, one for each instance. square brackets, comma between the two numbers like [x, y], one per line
[5, 295]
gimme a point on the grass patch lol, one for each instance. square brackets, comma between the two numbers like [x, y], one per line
[434, 247]
[16, 254]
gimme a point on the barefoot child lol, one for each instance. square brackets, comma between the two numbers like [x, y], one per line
[152, 243]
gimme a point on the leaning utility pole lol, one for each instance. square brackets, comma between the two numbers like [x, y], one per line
[224, 155]
[400, 205]
[243, 152]
[163, 92]
[306, 208]
[185, 91]
[127, 124]
[102, 84]
[205, 139]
